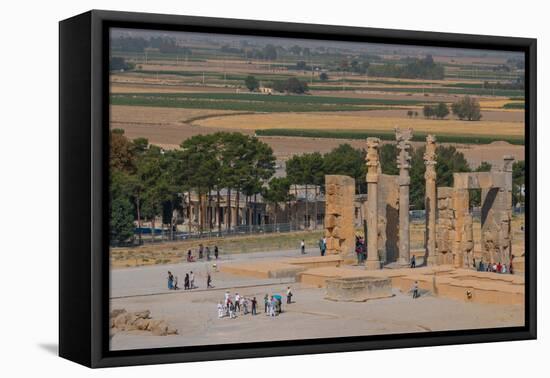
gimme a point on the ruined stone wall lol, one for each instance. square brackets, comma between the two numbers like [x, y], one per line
[339, 215]
[445, 231]
[388, 218]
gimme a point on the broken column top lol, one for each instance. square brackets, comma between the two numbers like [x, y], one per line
[373, 162]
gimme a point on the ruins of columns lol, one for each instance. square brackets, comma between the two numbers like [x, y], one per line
[403, 138]
[430, 200]
[373, 167]
[449, 220]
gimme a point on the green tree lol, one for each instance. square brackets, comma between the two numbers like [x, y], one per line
[518, 182]
[277, 192]
[388, 159]
[448, 161]
[346, 160]
[251, 83]
[441, 110]
[121, 220]
[467, 108]
[428, 111]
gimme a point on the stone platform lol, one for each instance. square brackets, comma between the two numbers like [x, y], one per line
[442, 280]
[445, 281]
[358, 289]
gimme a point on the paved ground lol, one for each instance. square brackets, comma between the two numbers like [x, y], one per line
[194, 313]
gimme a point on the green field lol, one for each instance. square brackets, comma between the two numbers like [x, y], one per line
[254, 102]
[383, 135]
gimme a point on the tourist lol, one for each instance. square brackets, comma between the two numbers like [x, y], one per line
[288, 295]
[413, 261]
[503, 269]
[499, 267]
[474, 263]
[232, 314]
[237, 302]
[254, 304]
[494, 269]
[201, 250]
[279, 305]
[244, 303]
[266, 299]
[176, 283]
[359, 253]
[170, 281]
[272, 306]
[209, 281]
[415, 290]
[191, 280]
[216, 252]
[303, 247]
[227, 298]
[186, 282]
[190, 256]
[220, 310]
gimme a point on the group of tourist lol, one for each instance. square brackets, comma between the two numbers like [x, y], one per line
[188, 282]
[203, 251]
[239, 304]
[494, 267]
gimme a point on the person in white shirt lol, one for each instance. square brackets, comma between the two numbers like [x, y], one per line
[237, 302]
[192, 280]
[288, 295]
[303, 247]
[220, 310]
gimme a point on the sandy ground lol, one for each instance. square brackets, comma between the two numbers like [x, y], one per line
[194, 313]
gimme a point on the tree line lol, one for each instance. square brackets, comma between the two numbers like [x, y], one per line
[467, 108]
[413, 68]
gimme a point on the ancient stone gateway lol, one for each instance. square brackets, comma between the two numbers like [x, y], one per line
[358, 289]
[455, 223]
[339, 215]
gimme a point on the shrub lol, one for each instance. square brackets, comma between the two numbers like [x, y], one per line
[467, 108]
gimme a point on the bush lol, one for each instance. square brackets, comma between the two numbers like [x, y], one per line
[291, 85]
[251, 83]
[439, 111]
[467, 108]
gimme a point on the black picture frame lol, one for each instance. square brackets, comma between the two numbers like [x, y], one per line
[83, 196]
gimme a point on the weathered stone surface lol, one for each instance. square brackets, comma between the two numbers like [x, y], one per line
[454, 223]
[373, 171]
[339, 215]
[403, 138]
[121, 320]
[358, 289]
[388, 218]
[431, 198]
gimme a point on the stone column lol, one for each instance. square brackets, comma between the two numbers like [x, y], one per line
[403, 138]
[430, 202]
[373, 164]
